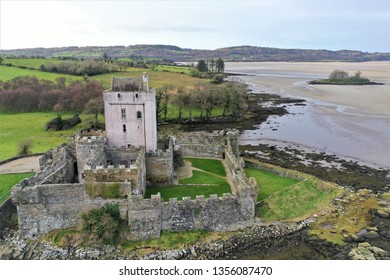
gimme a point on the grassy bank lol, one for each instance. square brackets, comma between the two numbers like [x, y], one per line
[269, 182]
[285, 199]
[15, 128]
[7, 181]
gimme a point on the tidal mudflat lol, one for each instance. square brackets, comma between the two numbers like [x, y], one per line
[350, 121]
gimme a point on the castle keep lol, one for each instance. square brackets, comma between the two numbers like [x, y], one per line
[117, 165]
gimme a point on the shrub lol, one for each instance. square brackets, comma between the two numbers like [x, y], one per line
[25, 147]
[103, 223]
[60, 124]
[217, 79]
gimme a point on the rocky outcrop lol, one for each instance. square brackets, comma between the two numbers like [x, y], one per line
[365, 251]
[258, 236]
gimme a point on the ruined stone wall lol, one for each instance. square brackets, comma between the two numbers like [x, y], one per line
[62, 170]
[7, 210]
[144, 217]
[98, 159]
[178, 215]
[159, 166]
[122, 156]
[42, 208]
[213, 214]
[88, 148]
[121, 180]
[201, 144]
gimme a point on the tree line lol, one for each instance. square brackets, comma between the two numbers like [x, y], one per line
[80, 68]
[30, 94]
[229, 97]
[209, 69]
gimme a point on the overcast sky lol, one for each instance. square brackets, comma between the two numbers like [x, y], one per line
[308, 24]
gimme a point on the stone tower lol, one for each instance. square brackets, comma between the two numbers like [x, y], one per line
[130, 113]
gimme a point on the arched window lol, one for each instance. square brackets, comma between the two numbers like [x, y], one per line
[139, 115]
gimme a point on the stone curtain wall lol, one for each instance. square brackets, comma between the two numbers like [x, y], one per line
[201, 144]
[43, 208]
[159, 166]
[7, 210]
[213, 214]
[144, 217]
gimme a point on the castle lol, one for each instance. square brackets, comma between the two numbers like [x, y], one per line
[117, 165]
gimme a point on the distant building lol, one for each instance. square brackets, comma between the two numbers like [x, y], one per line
[130, 114]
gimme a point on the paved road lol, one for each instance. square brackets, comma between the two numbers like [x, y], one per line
[23, 165]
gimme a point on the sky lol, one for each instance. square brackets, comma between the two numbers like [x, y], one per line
[362, 25]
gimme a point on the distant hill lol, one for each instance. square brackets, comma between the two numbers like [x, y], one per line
[174, 53]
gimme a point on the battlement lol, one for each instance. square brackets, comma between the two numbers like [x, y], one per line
[91, 139]
[120, 173]
[127, 84]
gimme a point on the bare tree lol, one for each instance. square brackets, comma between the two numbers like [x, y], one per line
[95, 106]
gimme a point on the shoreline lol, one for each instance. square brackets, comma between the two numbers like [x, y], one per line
[307, 149]
[350, 121]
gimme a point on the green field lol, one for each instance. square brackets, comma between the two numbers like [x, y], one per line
[7, 181]
[15, 128]
[165, 74]
[30, 62]
[269, 182]
[210, 173]
[172, 68]
[8, 73]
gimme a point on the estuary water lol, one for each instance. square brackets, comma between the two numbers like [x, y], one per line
[349, 121]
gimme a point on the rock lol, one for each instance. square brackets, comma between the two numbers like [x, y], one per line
[382, 213]
[378, 252]
[364, 245]
[361, 253]
[193, 252]
[92, 253]
[372, 235]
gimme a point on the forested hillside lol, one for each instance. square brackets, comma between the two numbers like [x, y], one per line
[174, 53]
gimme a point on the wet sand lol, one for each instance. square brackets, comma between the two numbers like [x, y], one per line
[352, 121]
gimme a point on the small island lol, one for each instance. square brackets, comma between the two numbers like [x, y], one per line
[339, 77]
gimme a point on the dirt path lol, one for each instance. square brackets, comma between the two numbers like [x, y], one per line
[23, 165]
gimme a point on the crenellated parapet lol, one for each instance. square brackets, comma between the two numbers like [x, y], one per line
[117, 181]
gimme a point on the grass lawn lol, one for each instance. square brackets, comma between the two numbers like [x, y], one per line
[214, 166]
[7, 181]
[214, 174]
[15, 128]
[269, 182]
